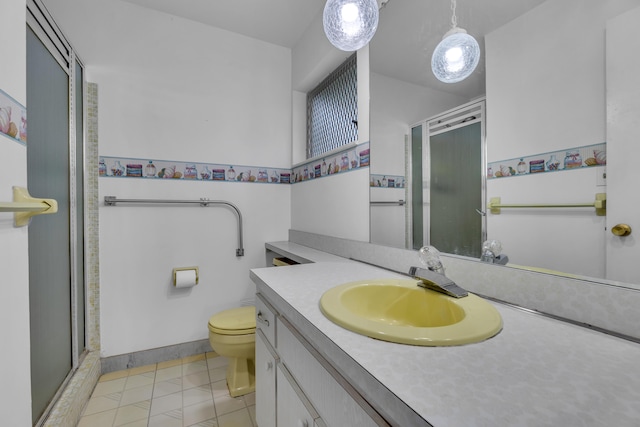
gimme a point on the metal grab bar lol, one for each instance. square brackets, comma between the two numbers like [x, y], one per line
[600, 205]
[386, 203]
[24, 206]
[112, 200]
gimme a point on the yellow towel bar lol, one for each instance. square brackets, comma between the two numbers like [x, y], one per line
[600, 204]
[24, 206]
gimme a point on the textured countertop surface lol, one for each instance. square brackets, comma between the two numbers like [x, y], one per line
[536, 372]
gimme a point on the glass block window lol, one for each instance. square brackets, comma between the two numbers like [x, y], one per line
[332, 110]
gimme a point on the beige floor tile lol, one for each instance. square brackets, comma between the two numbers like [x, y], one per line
[211, 354]
[219, 388]
[140, 423]
[113, 376]
[249, 399]
[239, 418]
[108, 387]
[165, 374]
[101, 419]
[197, 395]
[135, 395]
[217, 362]
[197, 413]
[252, 413]
[189, 392]
[163, 388]
[169, 364]
[195, 380]
[165, 420]
[225, 403]
[142, 369]
[130, 413]
[217, 374]
[135, 381]
[167, 403]
[194, 368]
[102, 403]
[206, 423]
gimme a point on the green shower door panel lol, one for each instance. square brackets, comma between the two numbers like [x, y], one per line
[48, 176]
[456, 191]
[416, 188]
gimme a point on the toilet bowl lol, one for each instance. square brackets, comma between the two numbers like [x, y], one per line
[232, 334]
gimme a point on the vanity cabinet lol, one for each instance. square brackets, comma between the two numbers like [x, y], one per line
[296, 386]
[266, 362]
[293, 407]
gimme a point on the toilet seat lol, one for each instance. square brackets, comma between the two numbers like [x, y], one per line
[236, 321]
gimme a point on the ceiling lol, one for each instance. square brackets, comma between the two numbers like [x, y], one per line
[407, 34]
[281, 22]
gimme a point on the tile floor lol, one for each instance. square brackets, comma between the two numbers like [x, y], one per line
[185, 392]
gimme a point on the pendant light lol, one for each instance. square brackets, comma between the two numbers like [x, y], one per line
[350, 24]
[457, 55]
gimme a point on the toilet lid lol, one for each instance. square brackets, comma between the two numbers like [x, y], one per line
[236, 321]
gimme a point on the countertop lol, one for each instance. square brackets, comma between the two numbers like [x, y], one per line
[536, 371]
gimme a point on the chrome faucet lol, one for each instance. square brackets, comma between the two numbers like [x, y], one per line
[433, 277]
[491, 253]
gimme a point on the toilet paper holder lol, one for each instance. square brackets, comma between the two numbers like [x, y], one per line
[177, 269]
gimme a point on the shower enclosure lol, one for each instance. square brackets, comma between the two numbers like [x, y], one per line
[448, 182]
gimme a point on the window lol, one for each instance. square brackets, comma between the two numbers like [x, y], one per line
[332, 110]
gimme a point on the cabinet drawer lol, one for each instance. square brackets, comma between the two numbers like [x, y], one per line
[266, 319]
[294, 409]
[338, 406]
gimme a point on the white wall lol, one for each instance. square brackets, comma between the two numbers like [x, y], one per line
[337, 205]
[174, 89]
[15, 370]
[546, 92]
[395, 106]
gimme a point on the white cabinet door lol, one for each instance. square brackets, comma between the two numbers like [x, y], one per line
[265, 383]
[294, 410]
[623, 145]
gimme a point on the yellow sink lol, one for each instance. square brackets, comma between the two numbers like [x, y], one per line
[399, 311]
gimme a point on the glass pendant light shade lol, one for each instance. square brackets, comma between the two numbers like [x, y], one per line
[455, 57]
[350, 24]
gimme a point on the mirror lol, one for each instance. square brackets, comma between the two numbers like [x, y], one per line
[542, 73]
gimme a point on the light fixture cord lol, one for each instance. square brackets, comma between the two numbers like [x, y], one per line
[454, 20]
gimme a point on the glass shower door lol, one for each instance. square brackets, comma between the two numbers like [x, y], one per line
[455, 225]
[55, 169]
[417, 225]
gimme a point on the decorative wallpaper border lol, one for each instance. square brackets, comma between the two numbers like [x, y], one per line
[347, 160]
[13, 119]
[127, 167]
[387, 181]
[554, 161]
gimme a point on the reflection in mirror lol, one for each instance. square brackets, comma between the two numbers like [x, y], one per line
[454, 189]
[542, 73]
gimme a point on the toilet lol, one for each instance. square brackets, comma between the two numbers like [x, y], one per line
[232, 334]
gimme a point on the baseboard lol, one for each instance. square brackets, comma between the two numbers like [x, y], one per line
[154, 355]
